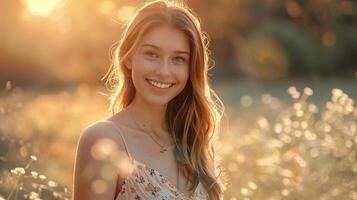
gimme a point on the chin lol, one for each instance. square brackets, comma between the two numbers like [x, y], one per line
[159, 101]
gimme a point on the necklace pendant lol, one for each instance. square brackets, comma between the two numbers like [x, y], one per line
[163, 150]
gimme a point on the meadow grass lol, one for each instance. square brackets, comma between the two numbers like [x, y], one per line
[270, 148]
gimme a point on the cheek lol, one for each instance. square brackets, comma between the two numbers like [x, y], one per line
[140, 65]
[136, 61]
[139, 68]
[184, 75]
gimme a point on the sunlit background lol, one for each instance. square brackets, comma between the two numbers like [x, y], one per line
[285, 69]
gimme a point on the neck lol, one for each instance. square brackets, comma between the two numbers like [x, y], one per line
[152, 117]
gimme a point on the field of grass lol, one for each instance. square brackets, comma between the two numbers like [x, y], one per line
[279, 140]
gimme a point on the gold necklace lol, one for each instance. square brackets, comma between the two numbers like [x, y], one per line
[164, 148]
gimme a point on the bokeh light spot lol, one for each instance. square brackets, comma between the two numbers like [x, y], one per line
[99, 186]
[125, 12]
[42, 7]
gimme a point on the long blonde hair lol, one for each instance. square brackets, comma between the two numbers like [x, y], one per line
[193, 116]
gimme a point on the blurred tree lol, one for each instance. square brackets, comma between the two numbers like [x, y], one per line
[70, 44]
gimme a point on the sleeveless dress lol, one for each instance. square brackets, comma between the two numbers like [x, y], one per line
[146, 183]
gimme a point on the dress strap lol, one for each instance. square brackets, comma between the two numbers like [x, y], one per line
[119, 130]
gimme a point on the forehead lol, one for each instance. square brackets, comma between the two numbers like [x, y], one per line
[166, 38]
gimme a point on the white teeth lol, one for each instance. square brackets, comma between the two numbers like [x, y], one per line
[160, 85]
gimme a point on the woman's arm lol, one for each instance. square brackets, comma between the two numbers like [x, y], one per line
[95, 177]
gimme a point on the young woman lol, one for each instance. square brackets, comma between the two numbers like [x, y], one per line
[158, 142]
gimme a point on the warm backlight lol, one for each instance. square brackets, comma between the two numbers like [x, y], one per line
[42, 7]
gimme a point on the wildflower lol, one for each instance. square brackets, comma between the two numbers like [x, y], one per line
[52, 184]
[42, 177]
[18, 171]
[33, 157]
[34, 195]
[34, 174]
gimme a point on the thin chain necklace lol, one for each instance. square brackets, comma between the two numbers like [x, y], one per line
[164, 148]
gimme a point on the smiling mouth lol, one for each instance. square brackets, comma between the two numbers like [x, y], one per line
[160, 85]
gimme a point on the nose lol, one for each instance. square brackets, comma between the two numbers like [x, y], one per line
[164, 67]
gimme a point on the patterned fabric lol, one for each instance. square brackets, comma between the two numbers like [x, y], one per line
[146, 183]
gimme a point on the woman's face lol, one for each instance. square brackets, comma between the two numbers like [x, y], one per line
[160, 65]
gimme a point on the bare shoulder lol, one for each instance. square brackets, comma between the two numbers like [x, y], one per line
[100, 130]
[96, 130]
[98, 143]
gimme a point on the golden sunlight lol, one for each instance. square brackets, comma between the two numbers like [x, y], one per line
[42, 7]
[125, 12]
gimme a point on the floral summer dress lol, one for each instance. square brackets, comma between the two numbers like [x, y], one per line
[146, 183]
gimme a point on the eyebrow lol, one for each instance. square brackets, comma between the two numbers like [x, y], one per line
[156, 47]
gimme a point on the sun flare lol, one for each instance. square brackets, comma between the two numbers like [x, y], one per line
[42, 7]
